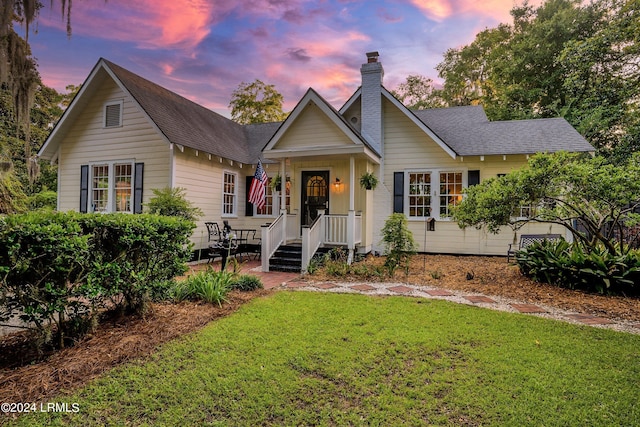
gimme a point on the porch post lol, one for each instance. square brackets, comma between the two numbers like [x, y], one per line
[283, 200]
[352, 183]
[351, 217]
[264, 252]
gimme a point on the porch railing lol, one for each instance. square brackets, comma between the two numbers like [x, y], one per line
[334, 229]
[312, 239]
[337, 227]
[272, 237]
[293, 227]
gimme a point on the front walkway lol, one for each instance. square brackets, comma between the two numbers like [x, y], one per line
[294, 281]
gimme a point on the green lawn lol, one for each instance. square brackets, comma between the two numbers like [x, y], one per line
[298, 358]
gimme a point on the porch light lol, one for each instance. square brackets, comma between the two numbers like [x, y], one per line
[337, 185]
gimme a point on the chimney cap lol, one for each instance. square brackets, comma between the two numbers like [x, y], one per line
[372, 56]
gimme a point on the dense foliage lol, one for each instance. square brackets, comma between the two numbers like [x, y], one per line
[564, 58]
[213, 286]
[173, 202]
[57, 269]
[256, 102]
[593, 199]
[398, 241]
[569, 265]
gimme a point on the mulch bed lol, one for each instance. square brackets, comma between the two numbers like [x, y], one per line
[26, 378]
[492, 276]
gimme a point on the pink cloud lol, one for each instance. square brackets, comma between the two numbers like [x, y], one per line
[434, 9]
[442, 9]
[148, 23]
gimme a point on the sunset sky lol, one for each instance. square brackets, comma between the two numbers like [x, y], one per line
[202, 49]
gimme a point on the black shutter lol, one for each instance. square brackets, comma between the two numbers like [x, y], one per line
[84, 188]
[137, 187]
[248, 206]
[473, 178]
[398, 192]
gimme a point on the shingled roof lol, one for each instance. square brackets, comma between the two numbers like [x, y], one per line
[189, 124]
[468, 131]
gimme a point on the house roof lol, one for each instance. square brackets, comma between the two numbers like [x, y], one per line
[468, 131]
[179, 120]
[463, 131]
[360, 144]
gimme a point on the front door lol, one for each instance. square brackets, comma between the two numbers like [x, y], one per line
[315, 195]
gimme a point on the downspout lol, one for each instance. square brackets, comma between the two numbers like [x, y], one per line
[172, 165]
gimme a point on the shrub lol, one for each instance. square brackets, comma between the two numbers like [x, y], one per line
[568, 265]
[208, 286]
[334, 263]
[43, 200]
[134, 254]
[247, 282]
[42, 267]
[399, 243]
[173, 202]
[57, 269]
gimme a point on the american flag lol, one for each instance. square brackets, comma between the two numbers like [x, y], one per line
[258, 187]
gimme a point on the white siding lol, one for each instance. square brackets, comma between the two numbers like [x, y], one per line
[313, 129]
[201, 177]
[409, 148]
[88, 141]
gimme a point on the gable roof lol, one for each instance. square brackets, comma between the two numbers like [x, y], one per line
[179, 120]
[312, 97]
[469, 132]
[410, 115]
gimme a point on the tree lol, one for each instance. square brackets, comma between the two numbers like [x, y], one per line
[398, 241]
[565, 58]
[45, 112]
[603, 80]
[18, 69]
[595, 200]
[465, 70]
[256, 102]
[418, 93]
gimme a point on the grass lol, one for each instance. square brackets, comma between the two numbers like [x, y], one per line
[298, 358]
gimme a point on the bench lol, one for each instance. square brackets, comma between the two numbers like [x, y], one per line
[529, 239]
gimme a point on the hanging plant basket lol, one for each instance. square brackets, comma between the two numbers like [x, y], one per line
[276, 183]
[368, 181]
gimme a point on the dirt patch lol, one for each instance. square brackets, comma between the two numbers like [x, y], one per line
[493, 276]
[25, 378]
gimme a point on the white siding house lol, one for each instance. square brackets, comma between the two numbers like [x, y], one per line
[123, 136]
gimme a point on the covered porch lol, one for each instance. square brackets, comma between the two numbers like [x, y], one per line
[322, 204]
[321, 157]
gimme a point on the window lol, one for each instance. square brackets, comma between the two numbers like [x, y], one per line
[229, 194]
[113, 114]
[272, 200]
[432, 193]
[111, 187]
[420, 194]
[123, 187]
[100, 188]
[450, 191]
[267, 209]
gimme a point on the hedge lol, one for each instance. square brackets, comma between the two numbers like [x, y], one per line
[58, 269]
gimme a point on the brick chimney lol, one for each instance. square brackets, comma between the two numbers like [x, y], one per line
[371, 101]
